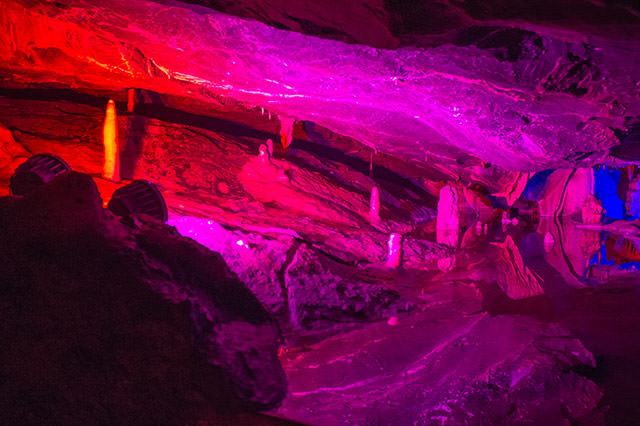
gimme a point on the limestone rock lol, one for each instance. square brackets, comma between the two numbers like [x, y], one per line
[591, 210]
[322, 291]
[448, 219]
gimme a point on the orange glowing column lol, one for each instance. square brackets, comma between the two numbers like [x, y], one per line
[111, 149]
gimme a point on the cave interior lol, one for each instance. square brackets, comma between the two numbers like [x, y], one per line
[355, 212]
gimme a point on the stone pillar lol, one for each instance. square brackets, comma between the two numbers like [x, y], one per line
[394, 253]
[111, 168]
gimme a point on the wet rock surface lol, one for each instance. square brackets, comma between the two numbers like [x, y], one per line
[105, 322]
[449, 364]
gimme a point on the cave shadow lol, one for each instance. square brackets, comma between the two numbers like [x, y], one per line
[156, 110]
[52, 94]
[133, 146]
[176, 116]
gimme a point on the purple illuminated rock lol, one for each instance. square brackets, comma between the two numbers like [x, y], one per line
[523, 98]
[322, 291]
[444, 365]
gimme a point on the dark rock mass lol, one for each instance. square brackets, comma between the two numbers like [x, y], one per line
[105, 322]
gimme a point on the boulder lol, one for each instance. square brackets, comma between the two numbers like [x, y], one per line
[110, 323]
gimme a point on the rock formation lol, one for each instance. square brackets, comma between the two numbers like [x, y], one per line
[109, 322]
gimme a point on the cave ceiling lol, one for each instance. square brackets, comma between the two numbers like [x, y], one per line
[521, 85]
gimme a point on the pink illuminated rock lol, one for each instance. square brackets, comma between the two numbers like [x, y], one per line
[566, 192]
[592, 210]
[501, 95]
[374, 205]
[322, 292]
[632, 198]
[448, 219]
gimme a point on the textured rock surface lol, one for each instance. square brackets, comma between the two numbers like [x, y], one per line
[524, 98]
[104, 322]
[258, 260]
[322, 291]
[443, 366]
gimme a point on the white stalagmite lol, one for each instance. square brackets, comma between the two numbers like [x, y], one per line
[374, 205]
[448, 220]
[394, 253]
[111, 169]
[263, 154]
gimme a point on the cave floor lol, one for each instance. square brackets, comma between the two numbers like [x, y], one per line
[380, 373]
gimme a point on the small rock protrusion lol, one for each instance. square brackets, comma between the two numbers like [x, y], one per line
[394, 253]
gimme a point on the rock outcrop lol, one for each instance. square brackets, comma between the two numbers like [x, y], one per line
[105, 322]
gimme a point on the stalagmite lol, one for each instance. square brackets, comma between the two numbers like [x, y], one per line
[111, 169]
[448, 220]
[263, 154]
[394, 254]
[131, 99]
[270, 147]
[374, 205]
[549, 241]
